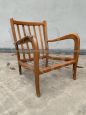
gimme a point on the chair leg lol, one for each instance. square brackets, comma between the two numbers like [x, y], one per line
[74, 71]
[37, 85]
[46, 62]
[20, 70]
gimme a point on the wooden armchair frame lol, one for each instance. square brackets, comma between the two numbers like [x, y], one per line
[33, 40]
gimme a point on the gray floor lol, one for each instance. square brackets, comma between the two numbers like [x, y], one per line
[60, 95]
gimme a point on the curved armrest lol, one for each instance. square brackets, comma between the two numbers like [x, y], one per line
[76, 39]
[24, 40]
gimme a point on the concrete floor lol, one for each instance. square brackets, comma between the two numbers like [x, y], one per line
[60, 95]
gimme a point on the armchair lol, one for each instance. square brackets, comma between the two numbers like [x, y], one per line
[28, 44]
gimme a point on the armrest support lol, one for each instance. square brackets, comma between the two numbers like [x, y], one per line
[76, 39]
[35, 48]
[24, 40]
[36, 55]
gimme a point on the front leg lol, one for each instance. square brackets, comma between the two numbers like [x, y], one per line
[37, 84]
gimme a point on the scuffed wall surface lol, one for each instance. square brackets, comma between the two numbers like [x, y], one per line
[63, 16]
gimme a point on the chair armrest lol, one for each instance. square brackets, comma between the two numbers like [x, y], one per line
[24, 40]
[69, 36]
[76, 39]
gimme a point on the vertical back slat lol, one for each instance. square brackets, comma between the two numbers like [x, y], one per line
[23, 30]
[14, 33]
[15, 38]
[41, 40]
[45, 36]
[35, 33]
[21, 44]
[29, 30]
[26, 42]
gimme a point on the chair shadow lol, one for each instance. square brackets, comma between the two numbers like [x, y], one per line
[52, 83]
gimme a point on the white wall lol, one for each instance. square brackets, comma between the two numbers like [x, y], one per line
[63, 16]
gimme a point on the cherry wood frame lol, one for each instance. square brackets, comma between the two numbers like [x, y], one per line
[35, 46]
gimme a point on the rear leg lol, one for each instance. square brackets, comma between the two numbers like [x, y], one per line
[46, 64]
[20, 70]
[74, 71]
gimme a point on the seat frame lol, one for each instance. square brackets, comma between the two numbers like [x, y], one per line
[33, 40]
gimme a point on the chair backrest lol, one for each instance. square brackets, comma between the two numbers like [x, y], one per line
[21, 29]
